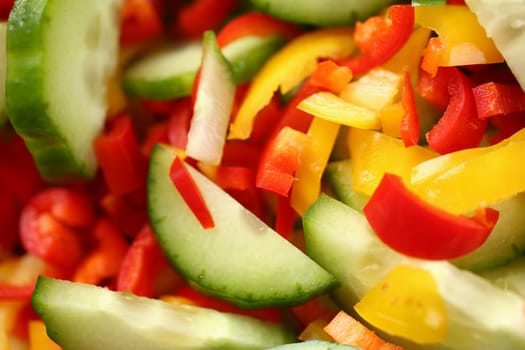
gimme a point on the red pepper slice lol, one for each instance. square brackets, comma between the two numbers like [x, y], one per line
[141, 21]
[285, 217]
[5, 9]
[410, 123]
[415, 228]
[191, 194]
[331, 76]
[493, 99]
[198, 16]
[104, 261]
[380, 38]
[179, 123]
[10, 291]
[50, 224]
[141, 265]
[256, 24]
[459, 127]
[119, 156]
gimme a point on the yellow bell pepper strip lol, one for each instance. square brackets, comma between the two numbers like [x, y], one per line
[307, 186]
[480, 181]
[38, 338]
[416, 228]
[407, 303]
[375, 90]
[286, 69]
[462, 39]
[391, 117]
[280, 159]
[373, 154]
[408, 58]
[331, 107]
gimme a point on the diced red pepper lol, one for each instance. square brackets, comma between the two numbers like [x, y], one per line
[380, 38]
[141, 21]
[179, 123]
[198, 16]
[141, 265]
[241, 153]
[285, 217]
[119, 156]
[104, 261]
[410, 123]
[506, 125]
[235, 177]
[494, 99]
[50, 224]
[279, 160]
[256, 24]
[413, 227]
[459, 127]
[191, 194]
[331, 76]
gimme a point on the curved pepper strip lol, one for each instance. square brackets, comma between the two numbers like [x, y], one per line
[414, 227]
[409, 129]
[462, 40]
[288, 68]
[459, 127]
[380, 38]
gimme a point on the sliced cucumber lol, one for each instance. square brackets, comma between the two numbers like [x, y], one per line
[503, 22]
[340, 177]
[164, 73]
[87, 317]
[241, 259]
[169, 70]
[213, 104]
[314, 345]
[480, 315]
[510, 276]
[60, 54]
[506, 241]
[321, 13]
[3, 68]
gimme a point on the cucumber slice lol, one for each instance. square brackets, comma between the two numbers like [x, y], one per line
[321, 13]
[509, 276]
[340, 176]
[506, 241]
[241, 259]
[480, 315]
[169, 71]
[3, 68]
[314, 345]
[503, 22]
[164, 73]
[60, 54]
[86, 317]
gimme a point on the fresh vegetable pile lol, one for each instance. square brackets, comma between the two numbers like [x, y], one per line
[260, 174]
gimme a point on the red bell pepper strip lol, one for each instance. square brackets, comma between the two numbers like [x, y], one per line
[459, 127]
[198, 16]
[380, 38]
[280, 158]
[157, 133]
[506, 125]
[125, 214]
[256, 24]
[191, 194]
[493, 99]
[265, 120]
[433, 89]
[413, 227]
[141, 265]
[119, 156]
[104, 261]
[409, 128]
[141, 21]
[5, 9]
[241, 153]
[234, 177]
[179, 123]
[285, 217]
[51, 224]
[10, 291]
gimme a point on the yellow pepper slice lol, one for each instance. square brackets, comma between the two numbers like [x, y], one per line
[373, 153]
[38, 339]
[464, 39]
[483, 180]
[407, 303]
[331, 107]
[408, 58]
[286, 69]
[307, 186]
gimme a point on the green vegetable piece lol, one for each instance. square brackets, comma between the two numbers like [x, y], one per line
[87, 317]
[60, 55]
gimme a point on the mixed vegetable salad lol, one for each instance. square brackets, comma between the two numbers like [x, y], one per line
[262, 174]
